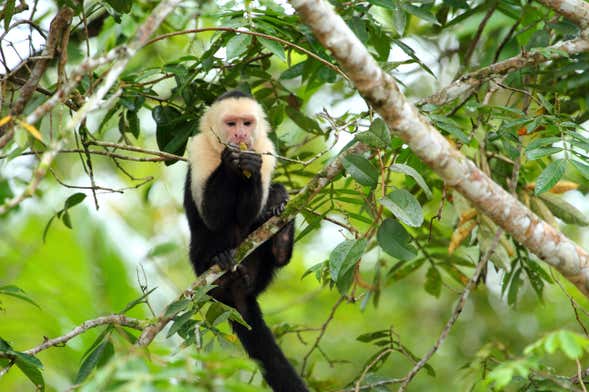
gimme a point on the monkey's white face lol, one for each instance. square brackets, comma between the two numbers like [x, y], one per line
[239, 128]
[235, 121]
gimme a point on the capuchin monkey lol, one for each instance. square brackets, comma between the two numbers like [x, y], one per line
[228, 194]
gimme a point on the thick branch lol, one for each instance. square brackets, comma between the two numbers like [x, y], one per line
[58, 29]
[470, 82]
[382, 92]
[576, 11]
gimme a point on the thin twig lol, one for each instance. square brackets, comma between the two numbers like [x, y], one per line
[478, 34]
[113, 319]
[370, 365]
[128, 147]
[106, 153]
[455, 313]
[256, 34]
[321, 333]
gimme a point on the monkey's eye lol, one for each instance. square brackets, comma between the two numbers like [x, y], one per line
[247, 123]
[231, 123]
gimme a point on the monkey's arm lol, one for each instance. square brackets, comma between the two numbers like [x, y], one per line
[221, 192]
[249, 203]
[281, 243]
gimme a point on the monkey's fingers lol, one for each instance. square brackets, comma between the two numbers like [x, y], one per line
[251, 162]
[277, 210]
[241, 270]
[224, 260]
[230, 156]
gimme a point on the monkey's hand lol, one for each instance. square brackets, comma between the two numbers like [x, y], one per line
[250, 162]
[237, 273]
[225, 259]
[230, 157]
[277, 202]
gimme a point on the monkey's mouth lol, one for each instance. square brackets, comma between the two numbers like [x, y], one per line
[240, 140]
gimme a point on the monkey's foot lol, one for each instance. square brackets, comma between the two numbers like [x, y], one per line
[277, 210]
[242, 276]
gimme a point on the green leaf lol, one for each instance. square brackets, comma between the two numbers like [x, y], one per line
[162, 249]
[433, 282]
[542, 152]
[16, 292]
[371, 336]
[293, 72]
[361, 170]
[31, 368]
[404, 206]
[377, 136]
[383, 3]
[406, 169]
[172, 130]
[176, 307]
[515, 285]
[550, 176]
[399, 17]
[8, 11]
[564, 210]
[65, 218]
[99, 339]
[420, 12]
[179, 321]
[137, 301]
[274, 47]
[122, 6]
[304, 122]
[343, 259]
[74, 200]
[28, 359]
[92, 360]
[237, 45]
[217, 313]
[569, 345]
[5, 347]
[411, 53]
[5, 190]
[394, 240]
[582, 168]
[132, 123]
[358, 26]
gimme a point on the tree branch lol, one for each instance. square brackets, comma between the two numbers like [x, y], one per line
[576, 11]
[470, 82]
[128, 51]
[58, 29]
[113, 319]
[381, 91]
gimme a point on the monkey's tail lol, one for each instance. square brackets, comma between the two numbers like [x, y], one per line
[261, 346]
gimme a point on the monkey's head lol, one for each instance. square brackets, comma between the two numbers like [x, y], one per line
[235, 118]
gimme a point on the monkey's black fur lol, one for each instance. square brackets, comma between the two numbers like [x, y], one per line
[231, 209]
[233, 94]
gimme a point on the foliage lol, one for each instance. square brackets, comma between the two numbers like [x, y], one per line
[381, 230]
